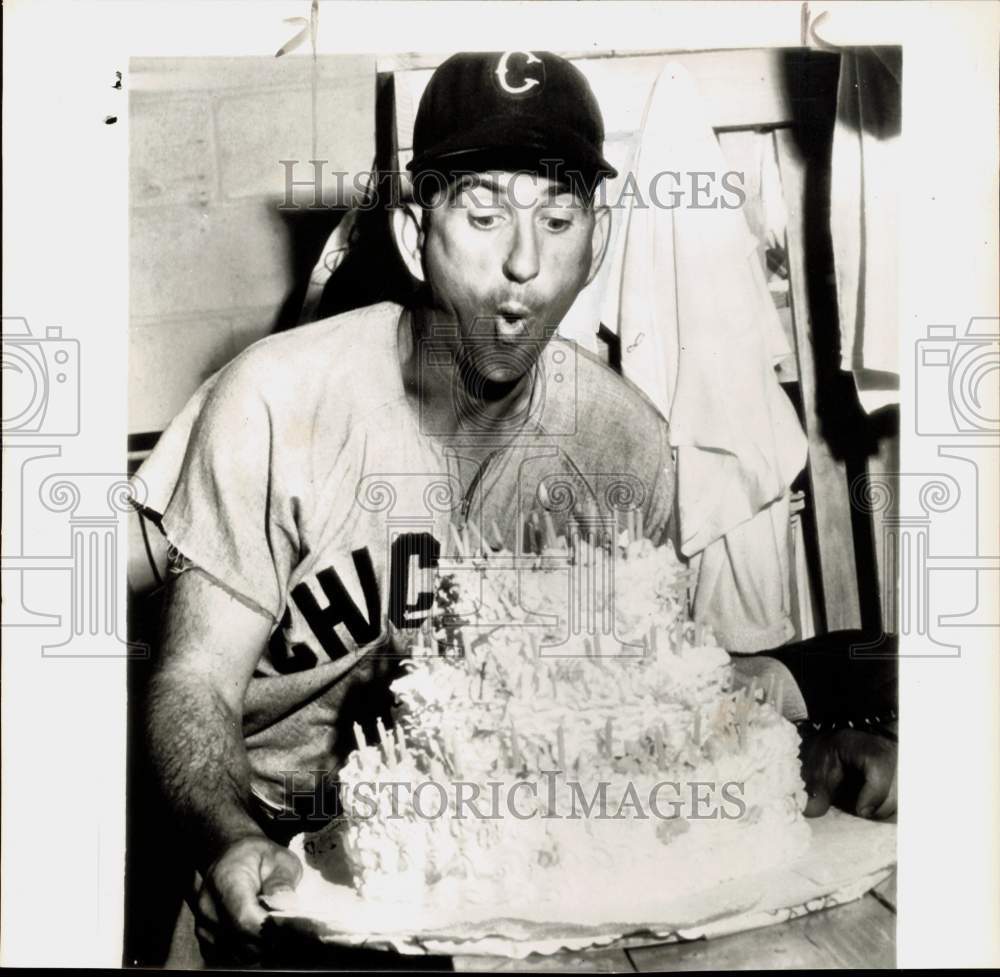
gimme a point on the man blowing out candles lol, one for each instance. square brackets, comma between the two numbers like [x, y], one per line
[289, 586]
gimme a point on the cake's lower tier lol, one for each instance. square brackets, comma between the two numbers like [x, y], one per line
[693, 835]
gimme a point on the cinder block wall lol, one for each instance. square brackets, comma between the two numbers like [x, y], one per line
[213, 255]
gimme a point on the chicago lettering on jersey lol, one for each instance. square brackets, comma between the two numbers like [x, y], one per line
[363, 626]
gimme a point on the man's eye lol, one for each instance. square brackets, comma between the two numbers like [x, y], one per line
[557, 224]
[484, 221]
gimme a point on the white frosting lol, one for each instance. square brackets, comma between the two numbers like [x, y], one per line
[498, 709]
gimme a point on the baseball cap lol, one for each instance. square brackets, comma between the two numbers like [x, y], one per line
[510, 110]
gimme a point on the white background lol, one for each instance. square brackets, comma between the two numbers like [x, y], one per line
[65, 212]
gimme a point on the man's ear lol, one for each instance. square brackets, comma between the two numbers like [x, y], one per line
[599, 240]
[407, 232]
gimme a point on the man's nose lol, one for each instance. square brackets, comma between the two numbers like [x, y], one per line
[522, 259]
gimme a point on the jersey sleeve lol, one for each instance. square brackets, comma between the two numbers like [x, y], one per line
[229, 512]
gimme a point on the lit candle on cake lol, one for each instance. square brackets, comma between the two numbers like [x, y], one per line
[386, 744]
[359, 737]
[690, 579]
[453, 752]
[475, 539]
[537, 543]
[744, 716]
[551, 539]
[515, 749]
[403, 752]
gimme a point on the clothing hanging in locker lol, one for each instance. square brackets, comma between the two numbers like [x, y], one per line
[700, 335]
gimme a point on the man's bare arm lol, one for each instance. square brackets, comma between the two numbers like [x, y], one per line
[210, 645]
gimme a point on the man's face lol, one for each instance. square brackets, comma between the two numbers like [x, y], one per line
[504, 255]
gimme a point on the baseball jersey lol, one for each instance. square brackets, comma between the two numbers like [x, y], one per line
[312, 488]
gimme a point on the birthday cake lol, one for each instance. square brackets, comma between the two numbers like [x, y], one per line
[564, 724]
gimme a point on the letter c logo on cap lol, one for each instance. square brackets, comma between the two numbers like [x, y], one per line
[529, 81]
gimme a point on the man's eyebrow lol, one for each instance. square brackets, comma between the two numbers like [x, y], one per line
[554, 197]
[495, 192]
[476, 181]
[563, 189]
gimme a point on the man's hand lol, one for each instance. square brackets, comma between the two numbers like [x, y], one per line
[228, 914]
[853, 769]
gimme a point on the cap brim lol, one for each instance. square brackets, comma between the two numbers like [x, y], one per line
[501, 143]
